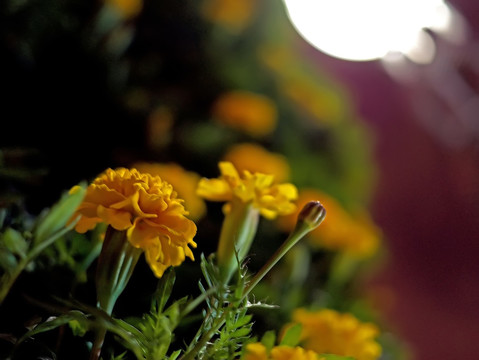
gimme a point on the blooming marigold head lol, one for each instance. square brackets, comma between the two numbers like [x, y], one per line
[258, 189]
[257, 351]
[328, 331]
[144, 206]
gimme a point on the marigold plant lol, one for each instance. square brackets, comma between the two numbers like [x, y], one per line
[147, 208]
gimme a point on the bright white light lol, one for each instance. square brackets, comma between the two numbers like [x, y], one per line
[370, 29]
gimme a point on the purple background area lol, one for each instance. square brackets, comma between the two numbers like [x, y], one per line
[427, 203]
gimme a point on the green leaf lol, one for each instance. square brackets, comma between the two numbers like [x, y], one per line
[292, 335]
[175, 355]
[15, 242]
[163, 292]
[334, 357]
[60, 213]
[268, 340]
[7, 260]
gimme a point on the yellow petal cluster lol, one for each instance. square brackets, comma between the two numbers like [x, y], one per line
[144, 206]
[257, 351]
[331, 332]
[257, 189]
[247, 112]
[255, 158]
[184, 182]
[353, 234]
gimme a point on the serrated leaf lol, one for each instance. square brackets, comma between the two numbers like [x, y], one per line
[292, 335]
[15, 242]
[242, 321]
[163, 292]
[60, 213]
[240, 333]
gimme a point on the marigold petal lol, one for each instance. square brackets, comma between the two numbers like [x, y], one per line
[118, 219]
[214, 190]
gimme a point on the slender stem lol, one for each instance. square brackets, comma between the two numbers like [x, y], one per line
[98, 343]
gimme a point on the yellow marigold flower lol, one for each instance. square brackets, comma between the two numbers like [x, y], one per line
[232, 14]
[255, 158]
[257, 351]
[126, 8]
[251, 113]
[144, 206]
[258, 189]
[328, 331]
[356, 234]
[183, 181]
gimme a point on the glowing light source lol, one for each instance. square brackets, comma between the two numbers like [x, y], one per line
[369, 29]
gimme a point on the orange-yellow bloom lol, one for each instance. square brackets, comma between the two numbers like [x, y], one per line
[255, 158]
[250, 113]
[144, 206]
[328, 331]
[257, 351]
[353, 234]
[184, 182]
[257, 189]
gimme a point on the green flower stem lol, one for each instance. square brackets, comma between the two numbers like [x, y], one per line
[237, 233]
[115, 266]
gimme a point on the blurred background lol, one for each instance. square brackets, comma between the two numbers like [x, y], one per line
[88, 85]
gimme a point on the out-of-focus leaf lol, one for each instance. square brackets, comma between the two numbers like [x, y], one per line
[292, 335]
[268, 340]
[7, 260]
[15, 242]
[60, 213]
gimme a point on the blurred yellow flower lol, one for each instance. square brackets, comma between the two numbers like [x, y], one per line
[159, 128]
[144, 206]
[320, 100]
[331, 332]
[126, 8]
[184, 182]
[255, 158]
[253, 114]
[257, 351]
[355, 235]
[257, 189]
[232, 14]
